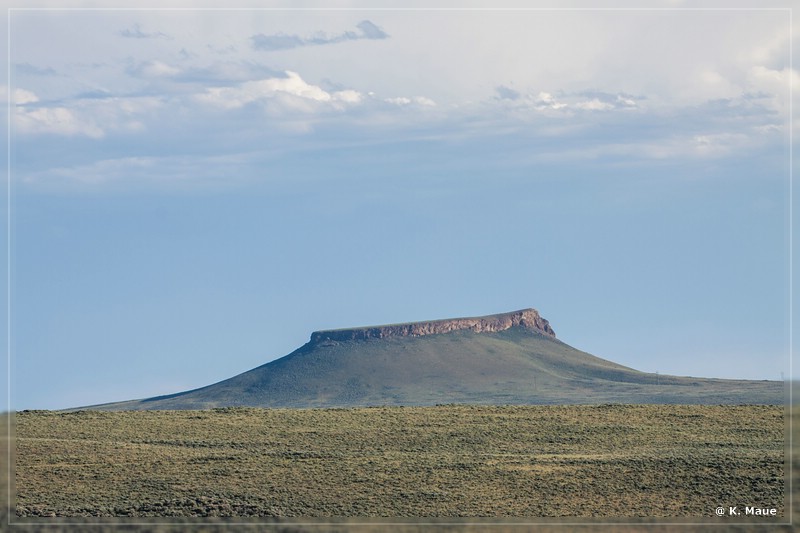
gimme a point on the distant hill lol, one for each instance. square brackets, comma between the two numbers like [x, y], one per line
[509, 358]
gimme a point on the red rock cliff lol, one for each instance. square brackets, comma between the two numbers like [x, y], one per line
[526, 318]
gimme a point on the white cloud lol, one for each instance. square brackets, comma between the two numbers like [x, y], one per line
[421, 100]
[545, 100]
[770, 52]
[594, 105]
[132, 171]
[775, 84]
[772, 81]
[156, 69]
[626, 101]
[713, 85]
[348, 96]
[55, 120]
[282, 41]
[495, 73]
[400, 100]
[21, 97]
[719, 144]
[92, 118]
[566, 103]
[671, 147]
[404, 101]
[292, 85]
[137, 33]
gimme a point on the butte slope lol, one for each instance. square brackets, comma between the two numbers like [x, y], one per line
[510, 358]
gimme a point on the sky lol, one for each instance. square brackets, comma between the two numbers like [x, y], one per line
[193, 191]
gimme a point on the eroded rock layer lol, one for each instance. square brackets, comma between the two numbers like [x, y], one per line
[526, 318]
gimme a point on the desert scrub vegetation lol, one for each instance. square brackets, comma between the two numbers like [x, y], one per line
[443, 461]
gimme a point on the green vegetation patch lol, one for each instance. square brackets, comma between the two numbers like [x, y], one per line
[443, 461]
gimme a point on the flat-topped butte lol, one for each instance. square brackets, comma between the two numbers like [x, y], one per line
[508, 358]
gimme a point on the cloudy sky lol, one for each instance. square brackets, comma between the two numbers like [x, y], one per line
[194, 191]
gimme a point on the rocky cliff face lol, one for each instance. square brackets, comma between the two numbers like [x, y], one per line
[526, 318]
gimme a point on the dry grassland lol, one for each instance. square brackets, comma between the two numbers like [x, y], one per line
[446, 461]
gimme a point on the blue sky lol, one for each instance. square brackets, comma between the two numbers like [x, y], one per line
[195, 191]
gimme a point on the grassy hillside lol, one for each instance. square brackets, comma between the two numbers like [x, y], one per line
[514, 366]
[607, 461]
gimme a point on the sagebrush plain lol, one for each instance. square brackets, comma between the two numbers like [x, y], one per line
[444, 461]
